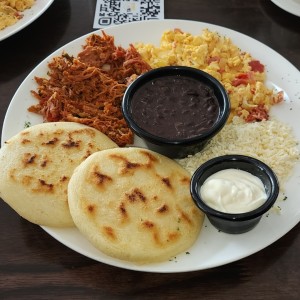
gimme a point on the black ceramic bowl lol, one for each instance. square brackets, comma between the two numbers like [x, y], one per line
[176, 147]
[240, 222]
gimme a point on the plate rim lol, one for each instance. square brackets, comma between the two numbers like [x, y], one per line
[288, 6]
[15, 28]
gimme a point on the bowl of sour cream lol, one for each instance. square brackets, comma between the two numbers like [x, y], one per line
[234, 191]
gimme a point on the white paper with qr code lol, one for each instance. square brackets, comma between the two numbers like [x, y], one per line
[115, 12]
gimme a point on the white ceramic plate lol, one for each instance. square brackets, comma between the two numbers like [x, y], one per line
[291, 6]
[213, 248]
[29, 15]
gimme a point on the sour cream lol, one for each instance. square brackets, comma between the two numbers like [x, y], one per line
[233, 191]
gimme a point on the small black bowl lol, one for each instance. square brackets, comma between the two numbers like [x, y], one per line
[177, 148]
[240, 222]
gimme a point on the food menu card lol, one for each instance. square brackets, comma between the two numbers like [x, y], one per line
[115, 12]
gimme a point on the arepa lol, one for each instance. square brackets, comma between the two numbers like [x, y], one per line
[36, 165]
[134, 204]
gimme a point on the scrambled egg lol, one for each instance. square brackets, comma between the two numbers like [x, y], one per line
[10, 11]
[242, 76]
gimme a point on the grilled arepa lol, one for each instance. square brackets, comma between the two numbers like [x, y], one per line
[134, 204]
[36, 165]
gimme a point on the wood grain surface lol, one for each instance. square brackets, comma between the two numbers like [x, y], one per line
[33, 265]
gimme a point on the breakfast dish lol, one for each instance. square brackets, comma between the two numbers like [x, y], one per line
[212, 248]
[291, 6]
[25, 17]
[11, 11]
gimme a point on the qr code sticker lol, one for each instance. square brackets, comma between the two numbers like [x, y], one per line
[115, 12]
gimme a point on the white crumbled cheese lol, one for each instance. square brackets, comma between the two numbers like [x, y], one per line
[270, 141]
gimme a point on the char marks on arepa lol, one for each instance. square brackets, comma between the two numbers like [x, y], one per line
[134, 204]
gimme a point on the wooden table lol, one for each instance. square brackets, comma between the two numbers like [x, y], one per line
[33, 265]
